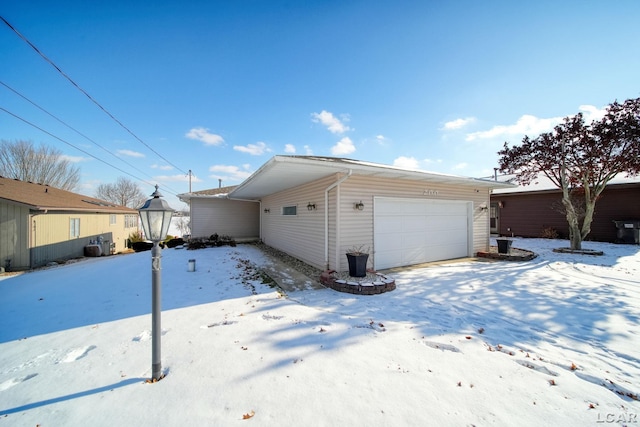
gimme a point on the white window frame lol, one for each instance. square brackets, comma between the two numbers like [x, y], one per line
[74, 228]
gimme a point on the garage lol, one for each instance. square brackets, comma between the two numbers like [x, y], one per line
[413, 231]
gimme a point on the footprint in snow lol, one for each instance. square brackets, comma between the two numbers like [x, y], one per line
[15, 381]
[146, 335]
[440, 346]
[538, 368]
[77, 353]
[143, 336]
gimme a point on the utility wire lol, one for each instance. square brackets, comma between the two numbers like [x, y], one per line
[69, 126]
[79, 149]
[85, 93]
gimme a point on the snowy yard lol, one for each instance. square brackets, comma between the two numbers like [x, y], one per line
[553, 341]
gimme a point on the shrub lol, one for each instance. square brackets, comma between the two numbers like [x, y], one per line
[549, 233]
[214, 240]
[141, 246]
[175, 242]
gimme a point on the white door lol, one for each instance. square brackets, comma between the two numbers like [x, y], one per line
[413, 231]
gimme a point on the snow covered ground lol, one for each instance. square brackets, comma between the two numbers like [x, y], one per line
[554, 341]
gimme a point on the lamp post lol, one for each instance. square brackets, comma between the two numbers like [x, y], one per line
[155, 216]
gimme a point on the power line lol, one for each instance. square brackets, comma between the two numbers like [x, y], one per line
[85, 93]
[79, 149]
[68, 126]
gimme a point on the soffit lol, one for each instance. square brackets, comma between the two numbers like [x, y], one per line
[284, 172]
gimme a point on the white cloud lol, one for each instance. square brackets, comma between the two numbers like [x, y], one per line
[592, 113]
[533, 126]
[203, 134]
[162, 167]
[308, 151]
[73, 159]
[230, 172]
[458, 123]
[256, 149]
[333, 124]
[407, 163]
[289, 148]
[344, 146]
[526, 125]
[130, 153]
[460, 166]
[382, 140]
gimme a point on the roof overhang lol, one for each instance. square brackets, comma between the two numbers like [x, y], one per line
[186, 197]
[283, 172]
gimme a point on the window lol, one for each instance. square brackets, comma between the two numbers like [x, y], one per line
[131, 221]
[112, 219]
[74, 228]
[290, 210]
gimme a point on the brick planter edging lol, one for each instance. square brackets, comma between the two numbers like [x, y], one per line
[380, 285]
[514, 254]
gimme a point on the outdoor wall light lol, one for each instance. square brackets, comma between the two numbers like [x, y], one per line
[155, 216]
[359, 206]
[311, 206]
[267, 210]
[501, 204]
[483, 207]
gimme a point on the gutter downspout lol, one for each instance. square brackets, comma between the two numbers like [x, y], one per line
[326, 216]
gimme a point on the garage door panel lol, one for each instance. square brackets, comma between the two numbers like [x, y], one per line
[415, 231]
[389, 224]
[413, 224]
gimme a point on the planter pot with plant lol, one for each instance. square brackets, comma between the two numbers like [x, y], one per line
[357, 258]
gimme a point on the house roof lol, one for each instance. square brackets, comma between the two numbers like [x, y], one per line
[544, 184]
[46, 198]
[220, 192]
[284, 172]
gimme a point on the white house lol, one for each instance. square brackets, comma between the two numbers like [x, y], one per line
[317, 208]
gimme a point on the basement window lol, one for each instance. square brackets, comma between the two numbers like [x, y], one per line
[290, 210]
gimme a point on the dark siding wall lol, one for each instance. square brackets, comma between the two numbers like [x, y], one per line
[526, 215]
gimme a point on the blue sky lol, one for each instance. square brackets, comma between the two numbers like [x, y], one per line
[218, 88]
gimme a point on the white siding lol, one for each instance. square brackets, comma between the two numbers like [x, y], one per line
[303, 235]
[235, 218]
[356, 227]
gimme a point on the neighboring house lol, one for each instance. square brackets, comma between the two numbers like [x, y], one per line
[535, 210]
[317, 208]
[39, 224]
[212, 212]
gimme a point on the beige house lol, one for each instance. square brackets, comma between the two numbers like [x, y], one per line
[317, 208]
[39, 224]
[212, 212]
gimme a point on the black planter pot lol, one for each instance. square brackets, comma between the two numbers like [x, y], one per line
[504, 245]
[357, 264]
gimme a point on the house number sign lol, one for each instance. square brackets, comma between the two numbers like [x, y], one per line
[430, 193]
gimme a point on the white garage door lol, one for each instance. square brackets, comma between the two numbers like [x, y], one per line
[412, 231]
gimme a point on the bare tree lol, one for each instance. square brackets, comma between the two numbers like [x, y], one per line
[123, 192]
[580, 159]
[44, 165]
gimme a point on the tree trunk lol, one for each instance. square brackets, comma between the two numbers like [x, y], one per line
[575, 234]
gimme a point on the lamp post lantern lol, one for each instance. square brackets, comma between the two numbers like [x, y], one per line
[155, 216]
